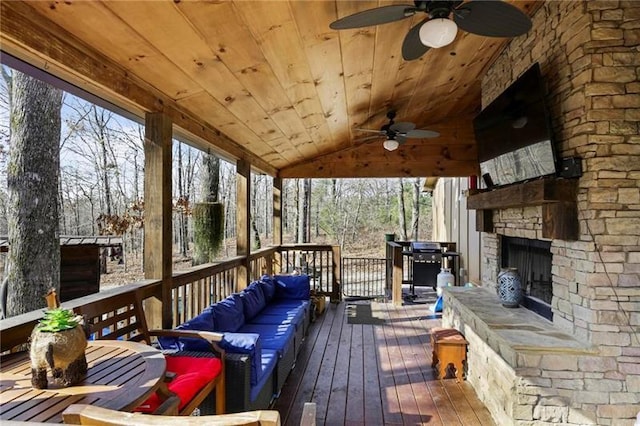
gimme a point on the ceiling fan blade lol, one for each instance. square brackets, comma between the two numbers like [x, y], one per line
[412, 47]
[376, 16]
[422, 134]
[370, 131]
[367, 139]
[401, 139]
[402, 127]
[492, 19]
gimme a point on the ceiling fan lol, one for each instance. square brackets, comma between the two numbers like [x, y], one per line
[397, 133]
[493, 18]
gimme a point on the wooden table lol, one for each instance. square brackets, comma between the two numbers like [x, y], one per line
[121, 375]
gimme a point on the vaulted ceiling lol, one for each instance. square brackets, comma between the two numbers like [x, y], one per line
[267, 81]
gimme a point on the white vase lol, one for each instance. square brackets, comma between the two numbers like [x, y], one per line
[510, 287]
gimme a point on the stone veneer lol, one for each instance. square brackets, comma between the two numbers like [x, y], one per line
[589, 55]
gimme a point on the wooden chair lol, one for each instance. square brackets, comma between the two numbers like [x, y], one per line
[80, 414]
[120, 317]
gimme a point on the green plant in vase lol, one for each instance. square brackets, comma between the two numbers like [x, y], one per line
[58, 342]
[58, 319]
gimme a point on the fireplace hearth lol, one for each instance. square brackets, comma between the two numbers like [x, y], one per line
[533, 260]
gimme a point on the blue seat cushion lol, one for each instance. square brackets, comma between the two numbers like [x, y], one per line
[247, 344]
[253, 300]
[291, 304]
[203, 322]
[228, 314]
[296, 314]
[268, 362]
[268, 286]
[297, 287]
[274, 319]
[277, 337]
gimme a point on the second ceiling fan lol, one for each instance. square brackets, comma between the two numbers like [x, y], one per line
[491, 18]
[397, 134]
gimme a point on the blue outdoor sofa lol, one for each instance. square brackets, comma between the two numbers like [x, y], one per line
[264, 326]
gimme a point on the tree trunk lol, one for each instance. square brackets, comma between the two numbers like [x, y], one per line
[415, 211]
[182, 222]
[257, 243]
[402, 221]
[208, 217]
[304, 212]
[297, 220]
[101, 125]
[212, 179]
[32, 178]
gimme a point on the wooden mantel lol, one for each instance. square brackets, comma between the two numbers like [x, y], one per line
[556, 196]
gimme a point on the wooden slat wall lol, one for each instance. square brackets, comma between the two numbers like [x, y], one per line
[453, 222]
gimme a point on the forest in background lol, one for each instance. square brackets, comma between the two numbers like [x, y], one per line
[101, 193]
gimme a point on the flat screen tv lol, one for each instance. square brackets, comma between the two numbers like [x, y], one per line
[513, 134]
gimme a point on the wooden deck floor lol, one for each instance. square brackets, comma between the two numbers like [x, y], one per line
[376, 374]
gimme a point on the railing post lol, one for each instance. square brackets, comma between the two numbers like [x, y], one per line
[396, 291]
[243, 230]
[337, 273]
[158, 215]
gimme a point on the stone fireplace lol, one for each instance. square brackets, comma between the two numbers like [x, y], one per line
[579, 366]
[532, 259]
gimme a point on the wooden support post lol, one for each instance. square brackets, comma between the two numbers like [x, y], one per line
[396, 290]
[243, 216]
[337, 273]
[277, 222]
[157, 215]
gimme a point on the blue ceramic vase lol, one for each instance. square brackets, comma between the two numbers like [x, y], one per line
[510, 287]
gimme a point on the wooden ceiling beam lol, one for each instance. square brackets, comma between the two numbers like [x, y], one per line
[28, 36]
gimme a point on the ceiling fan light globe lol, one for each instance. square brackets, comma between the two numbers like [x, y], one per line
[390, 144]
[438, 32]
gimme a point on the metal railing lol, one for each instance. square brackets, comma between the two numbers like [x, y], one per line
[320, 262]
[363, 277]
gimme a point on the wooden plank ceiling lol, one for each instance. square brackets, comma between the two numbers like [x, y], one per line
[267, 81]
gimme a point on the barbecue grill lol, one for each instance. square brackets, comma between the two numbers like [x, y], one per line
[427, 261]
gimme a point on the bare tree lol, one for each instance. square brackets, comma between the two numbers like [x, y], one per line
[415, 211]
[402, 221]
[304, 212]
[208, 216]
[32, 178]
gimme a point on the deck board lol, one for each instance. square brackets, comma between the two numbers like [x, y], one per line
[376, 374]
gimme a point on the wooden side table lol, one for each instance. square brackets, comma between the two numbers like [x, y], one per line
[449, 347]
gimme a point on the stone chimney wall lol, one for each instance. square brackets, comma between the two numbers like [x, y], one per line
[589, 55]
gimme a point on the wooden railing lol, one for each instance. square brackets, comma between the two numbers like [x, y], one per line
[321, 262]
[195, 289]
[15, 331]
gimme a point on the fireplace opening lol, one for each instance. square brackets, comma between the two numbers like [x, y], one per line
[533, 260]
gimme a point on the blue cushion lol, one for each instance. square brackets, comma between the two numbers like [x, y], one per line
[203, 322]
[295, 287]
[299, 307]
[274, 319]
[246, 344]
[252, 300]
[277, 337]
[228, 314]
[268, 364]
[268, 287]
[296, 314]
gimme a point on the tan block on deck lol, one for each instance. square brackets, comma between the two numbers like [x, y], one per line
[449, 347]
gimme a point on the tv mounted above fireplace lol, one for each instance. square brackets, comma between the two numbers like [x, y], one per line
[513, 134]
